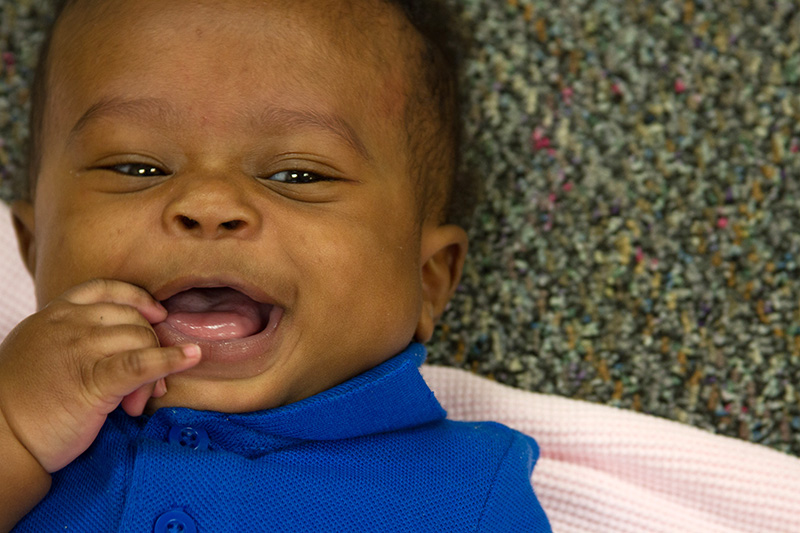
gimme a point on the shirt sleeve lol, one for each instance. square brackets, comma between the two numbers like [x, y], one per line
[511, 504]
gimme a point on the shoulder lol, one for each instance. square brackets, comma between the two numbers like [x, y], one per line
[490, 440]
[511, 503]
[484, 468]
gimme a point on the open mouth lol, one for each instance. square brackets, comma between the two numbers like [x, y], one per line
[235, 332]
[216, 314]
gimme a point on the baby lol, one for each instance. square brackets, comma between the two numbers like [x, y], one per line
[239, 223]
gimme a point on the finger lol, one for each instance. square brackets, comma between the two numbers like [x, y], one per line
[110, 314]
[117, 376]
[135, 402]
[160, 388]
[120, 292]
[118, 339]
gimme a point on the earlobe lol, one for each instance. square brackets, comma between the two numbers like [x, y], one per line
[444, 249]
[23, 219]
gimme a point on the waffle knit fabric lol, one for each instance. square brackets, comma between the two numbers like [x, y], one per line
[373, 452]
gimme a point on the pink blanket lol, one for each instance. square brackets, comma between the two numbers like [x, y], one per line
[601, 468]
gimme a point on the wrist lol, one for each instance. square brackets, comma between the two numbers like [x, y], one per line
[25, 481]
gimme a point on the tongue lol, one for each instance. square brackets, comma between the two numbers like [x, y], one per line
[214, 314]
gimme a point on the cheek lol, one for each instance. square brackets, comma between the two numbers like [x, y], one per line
[369, 276]
[53, 244]
[77, 241]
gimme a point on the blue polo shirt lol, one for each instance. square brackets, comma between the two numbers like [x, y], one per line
[372, 454]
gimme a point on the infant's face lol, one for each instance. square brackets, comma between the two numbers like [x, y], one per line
[250, 145]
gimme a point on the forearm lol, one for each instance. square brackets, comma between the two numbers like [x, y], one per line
[25, 482]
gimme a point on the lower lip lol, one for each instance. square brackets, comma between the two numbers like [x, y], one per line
[231, 358]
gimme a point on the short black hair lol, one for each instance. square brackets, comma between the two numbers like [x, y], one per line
[25, 188]
[433, 115]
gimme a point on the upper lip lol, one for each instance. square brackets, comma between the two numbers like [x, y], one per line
[202, 282]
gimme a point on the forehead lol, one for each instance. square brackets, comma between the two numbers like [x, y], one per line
[362, 28]
[226, 58]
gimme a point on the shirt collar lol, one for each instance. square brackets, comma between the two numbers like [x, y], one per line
[388, 397]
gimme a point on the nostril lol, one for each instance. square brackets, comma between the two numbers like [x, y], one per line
[209, 224]
[188, 223]
[231, 224]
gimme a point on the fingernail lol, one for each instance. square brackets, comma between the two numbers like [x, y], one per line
[191, 351]
[161, 388]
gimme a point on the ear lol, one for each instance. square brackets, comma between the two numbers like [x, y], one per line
[23, 219]
[444, 249]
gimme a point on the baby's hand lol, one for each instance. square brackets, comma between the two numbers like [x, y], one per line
[65, 368]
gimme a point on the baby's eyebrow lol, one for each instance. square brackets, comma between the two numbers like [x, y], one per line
[270, 119]
[282, 117]
[142, 109]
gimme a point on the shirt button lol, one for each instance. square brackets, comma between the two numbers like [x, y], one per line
[175, 521]
[189, 437]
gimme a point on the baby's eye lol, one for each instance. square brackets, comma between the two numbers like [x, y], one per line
[138, 169]
[297, 176]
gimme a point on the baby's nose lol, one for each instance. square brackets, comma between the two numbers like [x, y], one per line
[211, 210]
